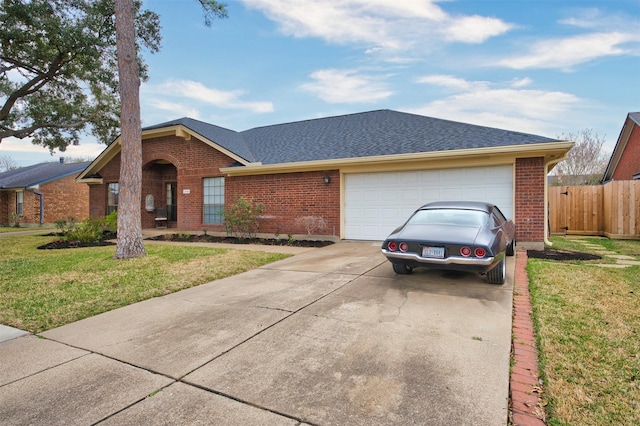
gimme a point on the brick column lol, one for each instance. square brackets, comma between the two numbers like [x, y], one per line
[529, 200]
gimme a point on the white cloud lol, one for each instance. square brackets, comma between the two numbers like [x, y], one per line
[346, 86]
[195, 91]
[504, 106]
[523, 82]
[381, 25]
[176, 109]
[447, 81]
[564, 53]
[596, 19]
[475, 29]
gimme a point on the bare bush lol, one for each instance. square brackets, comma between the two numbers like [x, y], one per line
[312, 224]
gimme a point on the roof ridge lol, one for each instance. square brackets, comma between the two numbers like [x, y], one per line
[317, 119]
[39, 173]
[182, 120]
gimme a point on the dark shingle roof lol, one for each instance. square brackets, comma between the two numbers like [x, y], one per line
[38, 174]
[374, 133]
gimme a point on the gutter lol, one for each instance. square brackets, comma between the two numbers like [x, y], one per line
[41, 195]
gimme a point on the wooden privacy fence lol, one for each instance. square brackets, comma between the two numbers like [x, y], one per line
[611, 210]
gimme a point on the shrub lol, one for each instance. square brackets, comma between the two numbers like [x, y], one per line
[312, 224]
[15, 219]
[88, 231]
[241, 218]
[111, 222]
[66, 225]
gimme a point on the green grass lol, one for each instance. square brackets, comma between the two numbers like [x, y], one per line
[46, 228]
[587, 322]
[43, 289]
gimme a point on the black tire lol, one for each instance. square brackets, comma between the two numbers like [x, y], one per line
[511, 248]
[497, 274]
[402, 269]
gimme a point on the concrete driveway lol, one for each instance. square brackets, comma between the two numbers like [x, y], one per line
[329, 337]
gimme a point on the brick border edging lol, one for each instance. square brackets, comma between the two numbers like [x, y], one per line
[524, 386]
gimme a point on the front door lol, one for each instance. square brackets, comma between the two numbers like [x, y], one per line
[172, 208]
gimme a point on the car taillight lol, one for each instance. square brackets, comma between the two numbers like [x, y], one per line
[480, 252]
[392, 246]
[404, 247]
[465, 251]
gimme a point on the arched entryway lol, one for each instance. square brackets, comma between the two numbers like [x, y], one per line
[159, 193]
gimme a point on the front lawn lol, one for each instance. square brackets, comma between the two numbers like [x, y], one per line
[587, 322]
[43, 289]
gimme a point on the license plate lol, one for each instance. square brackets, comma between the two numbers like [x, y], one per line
[437, 252]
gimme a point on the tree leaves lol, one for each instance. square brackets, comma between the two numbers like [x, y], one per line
[58, 69]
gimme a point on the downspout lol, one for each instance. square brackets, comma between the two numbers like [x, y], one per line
[546, 204]
[41, 195]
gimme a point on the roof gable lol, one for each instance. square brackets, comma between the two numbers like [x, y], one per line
[230, 140]
[38, 174]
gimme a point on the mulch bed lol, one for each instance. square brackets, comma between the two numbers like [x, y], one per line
[552, 254]
[186, 238]
[62, 244]
[205, 238]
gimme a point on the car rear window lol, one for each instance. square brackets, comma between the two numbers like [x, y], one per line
[449, 217]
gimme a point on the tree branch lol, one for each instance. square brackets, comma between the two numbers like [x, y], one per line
[25, 132]
[32, 85]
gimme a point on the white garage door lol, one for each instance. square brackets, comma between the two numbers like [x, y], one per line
[376, 203]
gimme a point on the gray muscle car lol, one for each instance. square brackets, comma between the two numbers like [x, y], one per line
[454, 235]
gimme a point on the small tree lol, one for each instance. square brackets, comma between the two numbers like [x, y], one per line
[7, 163]
[241, 219]
[585, 163]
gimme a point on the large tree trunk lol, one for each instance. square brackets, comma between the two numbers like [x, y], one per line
[129, 244]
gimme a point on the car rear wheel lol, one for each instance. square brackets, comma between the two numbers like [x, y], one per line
[402, 269]
[497, 274]
[511, 248]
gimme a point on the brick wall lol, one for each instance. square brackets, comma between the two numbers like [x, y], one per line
[630, 161]
[4, 207]
[289, 196]
[529, 202]
[286, 197]
[63, 198]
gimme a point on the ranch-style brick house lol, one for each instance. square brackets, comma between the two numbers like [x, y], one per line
[43, 193]
[363, 173]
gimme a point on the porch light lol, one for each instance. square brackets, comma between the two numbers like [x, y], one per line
[327, 180]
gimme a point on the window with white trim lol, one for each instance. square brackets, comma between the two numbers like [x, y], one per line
[213, 200]
[19, 203]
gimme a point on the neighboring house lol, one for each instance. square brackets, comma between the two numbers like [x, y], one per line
[625, 159]
[364, 174]
[43, 193]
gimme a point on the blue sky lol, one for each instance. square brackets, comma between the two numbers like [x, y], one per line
[548, 67]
